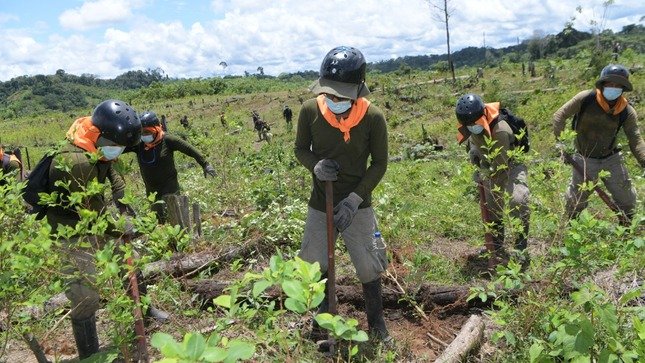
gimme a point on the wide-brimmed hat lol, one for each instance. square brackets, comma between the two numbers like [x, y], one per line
[339, 89]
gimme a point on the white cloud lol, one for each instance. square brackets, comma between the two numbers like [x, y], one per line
[94, 14]
[281, 36]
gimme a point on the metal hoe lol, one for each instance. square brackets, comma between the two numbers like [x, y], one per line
[331, 269]
[139, 327]
[488, 236]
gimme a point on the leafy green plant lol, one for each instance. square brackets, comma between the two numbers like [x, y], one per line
[195, 348]
[342, 329]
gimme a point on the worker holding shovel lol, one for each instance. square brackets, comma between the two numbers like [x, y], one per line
[337, 132]
[598, 116]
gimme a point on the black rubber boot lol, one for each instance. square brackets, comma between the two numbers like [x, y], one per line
[374, 309]
[522, 240]
[86, 337]
[500, 255]
[152, 312]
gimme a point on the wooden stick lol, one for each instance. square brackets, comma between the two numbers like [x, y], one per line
[437, 340]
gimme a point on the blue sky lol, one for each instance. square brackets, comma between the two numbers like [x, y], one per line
[189, 38]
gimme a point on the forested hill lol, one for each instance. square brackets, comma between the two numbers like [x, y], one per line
[61, 91]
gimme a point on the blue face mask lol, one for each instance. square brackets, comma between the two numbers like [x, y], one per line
[111, 152]
[147, 138]
[475, 129]
[338, 107]
[612, 93]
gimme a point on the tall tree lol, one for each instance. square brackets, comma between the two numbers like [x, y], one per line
[442, 14]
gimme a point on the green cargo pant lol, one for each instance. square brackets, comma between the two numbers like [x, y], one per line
[80, 271]
[618, 183]
[367, 254]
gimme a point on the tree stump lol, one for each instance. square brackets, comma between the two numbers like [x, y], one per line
[178, 207]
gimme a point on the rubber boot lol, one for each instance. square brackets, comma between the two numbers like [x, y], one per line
[152, 312]
[500, 255]
[520, 245]
[522, 239]
[374, 309]
[86, 337]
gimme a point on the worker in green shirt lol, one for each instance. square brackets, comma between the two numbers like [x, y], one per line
[338, 131]
[155, 155]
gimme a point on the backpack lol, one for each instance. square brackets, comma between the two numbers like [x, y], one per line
[6, 160]
[591, 97]
[38, 182]
[517, 124]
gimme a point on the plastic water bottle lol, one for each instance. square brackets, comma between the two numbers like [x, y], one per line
[378, 243]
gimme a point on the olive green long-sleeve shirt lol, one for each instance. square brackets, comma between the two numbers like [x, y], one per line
[157, 165]
[72, 166]
[503, 138]
[596, 129]
[316, 139]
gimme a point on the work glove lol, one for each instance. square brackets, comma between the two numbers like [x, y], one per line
[476, 176]
[345, 211]
[209, 171]
[327, 170]
[474, 157]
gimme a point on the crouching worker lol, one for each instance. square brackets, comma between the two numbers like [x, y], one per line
[95, 143]
[337, 132]
[155, 155]
[491, 138]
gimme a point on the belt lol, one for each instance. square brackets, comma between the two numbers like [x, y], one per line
[615, 151]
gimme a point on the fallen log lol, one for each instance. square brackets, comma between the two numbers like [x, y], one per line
[183, 264]
[428, 296]
[467, 341]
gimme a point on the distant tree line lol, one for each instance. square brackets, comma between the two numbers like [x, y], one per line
[537, 47]
[63, 92]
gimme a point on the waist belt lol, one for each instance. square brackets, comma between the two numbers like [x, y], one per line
[615, 151]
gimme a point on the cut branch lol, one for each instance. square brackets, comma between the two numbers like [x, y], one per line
[467, 341]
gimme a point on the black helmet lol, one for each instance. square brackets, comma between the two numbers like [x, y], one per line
[342, 73]
[149, 119]
[344, 64]
[615, 73]
[470, 108]
[118, 122]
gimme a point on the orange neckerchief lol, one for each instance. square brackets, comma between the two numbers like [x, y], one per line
[158, 132]
[358, 110]
[84, 134]
[491, 111]
[620, 105]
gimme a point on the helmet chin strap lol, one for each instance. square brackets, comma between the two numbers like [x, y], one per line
[360, 88]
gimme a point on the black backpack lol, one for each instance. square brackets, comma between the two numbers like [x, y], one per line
[38, 182]
[591, 97]
[517, 124]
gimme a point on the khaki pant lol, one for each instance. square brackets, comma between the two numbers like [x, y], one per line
[367, 254]
[517, 189]
[80, 271]
[617, 183]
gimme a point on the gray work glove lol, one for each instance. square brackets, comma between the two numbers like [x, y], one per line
[345, 211]
[209, 171]
[327, 170]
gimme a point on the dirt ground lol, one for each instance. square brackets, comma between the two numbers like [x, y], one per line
[417, 339]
